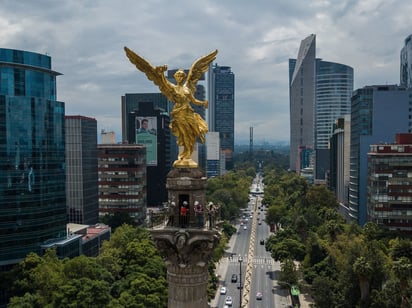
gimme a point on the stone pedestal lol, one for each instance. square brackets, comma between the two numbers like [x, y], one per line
[186, 248]
[186, 185]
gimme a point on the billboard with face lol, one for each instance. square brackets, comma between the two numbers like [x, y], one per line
[146, 133]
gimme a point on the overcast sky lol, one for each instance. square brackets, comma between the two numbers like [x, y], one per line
[85, 39]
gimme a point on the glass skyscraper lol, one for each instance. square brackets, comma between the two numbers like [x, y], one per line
[32, 156]
[221, 112]
[320, 92]
[302, 101]
[406, 63]
[334, 88]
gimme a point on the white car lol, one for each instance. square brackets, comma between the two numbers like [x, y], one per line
[229, 301]
[244, 227]
[223, 290]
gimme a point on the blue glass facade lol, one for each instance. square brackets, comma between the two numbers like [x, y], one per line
[377, 114]
[334, 88]
[32, 155]
[221, 115]
[406, 63]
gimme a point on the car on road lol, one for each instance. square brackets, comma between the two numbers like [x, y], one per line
[229, 301]
[259, 296]
[223, 290]
[244, 227]
[234, 278]
[262, 242]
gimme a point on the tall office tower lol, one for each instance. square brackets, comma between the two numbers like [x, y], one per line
[334, 88]
[122, 180]
[302, 80]
[149, 125]
[377, 114]
[340, 161]
[81, 170]
[221, 114]
[320, 92]
[406, 63]
[389, 184]
[32, 156]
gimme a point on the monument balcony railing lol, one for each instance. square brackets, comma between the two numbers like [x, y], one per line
[160, 220]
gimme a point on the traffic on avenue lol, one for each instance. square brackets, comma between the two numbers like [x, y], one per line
[247, 273]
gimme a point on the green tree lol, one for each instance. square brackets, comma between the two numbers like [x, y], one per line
[403, 270]
[83, 293]
[288, 272]
[28, 300]
[288, 249]
[363, 269]
[401, 248]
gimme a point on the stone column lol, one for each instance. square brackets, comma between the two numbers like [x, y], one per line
[187, 253]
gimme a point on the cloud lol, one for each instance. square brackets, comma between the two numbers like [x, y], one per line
[256, 38]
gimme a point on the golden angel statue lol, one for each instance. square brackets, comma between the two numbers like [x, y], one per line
[186, 124]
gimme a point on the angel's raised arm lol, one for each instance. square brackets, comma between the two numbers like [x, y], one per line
[155, 74]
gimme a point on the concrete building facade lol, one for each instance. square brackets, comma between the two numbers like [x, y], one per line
[122, 180]
[389, 197]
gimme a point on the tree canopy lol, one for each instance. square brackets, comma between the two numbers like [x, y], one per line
[342, 264]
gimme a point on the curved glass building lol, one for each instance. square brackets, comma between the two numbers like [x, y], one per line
[32, 156]
[334, 88]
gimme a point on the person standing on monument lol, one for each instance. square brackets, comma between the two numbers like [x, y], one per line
[171, 211]
[183, 214]
[198, 209]
[211, 214]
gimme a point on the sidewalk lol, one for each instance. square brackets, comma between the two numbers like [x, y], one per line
[221, 269]
[306, 301]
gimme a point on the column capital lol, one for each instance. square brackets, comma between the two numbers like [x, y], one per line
[186, 247]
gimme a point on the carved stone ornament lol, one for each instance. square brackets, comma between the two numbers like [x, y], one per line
[186, 248]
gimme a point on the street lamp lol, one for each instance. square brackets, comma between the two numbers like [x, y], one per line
[240, 281]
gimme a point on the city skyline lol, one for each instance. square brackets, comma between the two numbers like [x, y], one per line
[85, 41]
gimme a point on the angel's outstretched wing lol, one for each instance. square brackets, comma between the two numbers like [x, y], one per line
[200, 66]
[155, 74]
